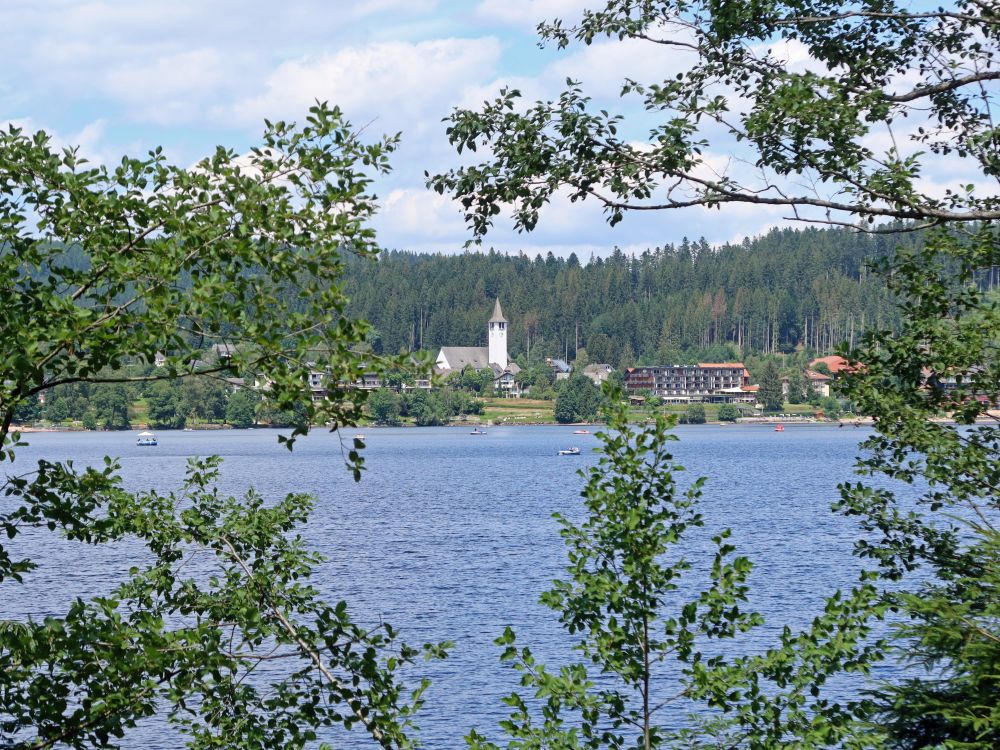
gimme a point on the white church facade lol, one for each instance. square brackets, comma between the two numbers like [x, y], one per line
[493, 356]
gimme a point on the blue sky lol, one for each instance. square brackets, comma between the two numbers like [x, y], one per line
[118, 77]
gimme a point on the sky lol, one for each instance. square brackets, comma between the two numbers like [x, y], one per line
[119, 77]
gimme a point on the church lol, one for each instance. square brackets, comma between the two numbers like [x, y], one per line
[493, 356]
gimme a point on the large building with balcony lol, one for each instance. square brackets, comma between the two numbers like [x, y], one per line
[724, 382]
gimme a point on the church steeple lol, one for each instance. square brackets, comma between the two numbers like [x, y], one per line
[498, 314]
[498, 337]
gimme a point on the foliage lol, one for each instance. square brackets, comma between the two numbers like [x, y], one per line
[429, 408]
[100, 269]
[477, 381]
[944, 361]
[425, 408]
[148, 257]
[680, 303]
[161, 405]
[385, 406]
[845, 112]
[830, 407]
[822, 134]
[770, 387]
[578, 400]
[694, 414]
[122, 652]
[728, 413]
[170, 404]
[797, 388]
[111, 402]
[241, 409]
[637, 621]
[203, 399]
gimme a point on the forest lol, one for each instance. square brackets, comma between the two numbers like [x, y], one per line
[810, 288]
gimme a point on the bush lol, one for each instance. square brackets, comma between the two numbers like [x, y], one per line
[578, 401]
[831, 407]
[695, 414]
[384, 407]
[728, 413]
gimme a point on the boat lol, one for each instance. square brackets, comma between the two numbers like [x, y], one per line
[359, 436]
[779, 428]
[477, 431]
[574, 451]
[581, 432]
[146, 438]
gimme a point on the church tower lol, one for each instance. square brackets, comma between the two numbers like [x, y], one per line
[498, 337]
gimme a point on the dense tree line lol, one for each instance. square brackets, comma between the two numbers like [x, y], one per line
[790, 289]
[809, 287]
[425, 408]
[169, 404]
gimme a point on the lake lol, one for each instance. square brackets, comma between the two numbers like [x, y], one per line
[449, 536]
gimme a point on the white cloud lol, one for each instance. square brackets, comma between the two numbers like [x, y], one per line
[174, 87]
[531, 12]
[603, 66]
[412, 215]
[186, 53]
[404, 85]
[91, 143]
[90, 140]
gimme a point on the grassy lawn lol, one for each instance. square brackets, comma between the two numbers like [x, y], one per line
[712, 411]
[138, 412]
[518, 410]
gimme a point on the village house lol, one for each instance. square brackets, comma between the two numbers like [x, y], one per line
[816, 381]
[598, 373]
[559, 367]
[834, 364]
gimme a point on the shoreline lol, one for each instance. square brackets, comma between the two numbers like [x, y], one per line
[791, 421]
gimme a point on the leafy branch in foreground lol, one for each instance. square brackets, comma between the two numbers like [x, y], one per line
[102, 268]
[651, 644]
[105, 266]
[221, 632]
[943, 550]
[836, 112]
[841, 113]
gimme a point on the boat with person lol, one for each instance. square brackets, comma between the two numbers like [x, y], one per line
[477, 431]
[146, 439]
[574, 451]
[581, 432]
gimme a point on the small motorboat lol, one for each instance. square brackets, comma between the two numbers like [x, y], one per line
[581, 432]
[779, 428]
[477, 431]
[146, 438]
[359, 436]
[574, 451]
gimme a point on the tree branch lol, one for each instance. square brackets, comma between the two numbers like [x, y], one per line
[308, 650]
[921, 92]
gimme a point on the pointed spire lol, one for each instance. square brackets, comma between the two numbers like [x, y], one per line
[498, 314]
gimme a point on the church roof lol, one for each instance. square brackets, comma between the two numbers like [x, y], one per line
[460, 357]
[498, 314]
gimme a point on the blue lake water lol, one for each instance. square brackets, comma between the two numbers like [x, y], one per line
[449, 536]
